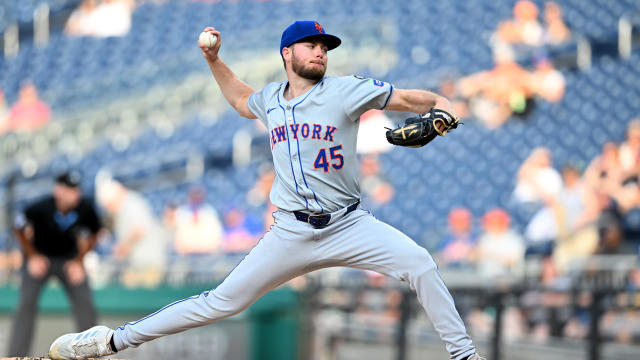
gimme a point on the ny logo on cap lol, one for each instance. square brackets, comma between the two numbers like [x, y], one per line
[318, 27]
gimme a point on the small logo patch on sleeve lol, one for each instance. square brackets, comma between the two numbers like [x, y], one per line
[378, 83]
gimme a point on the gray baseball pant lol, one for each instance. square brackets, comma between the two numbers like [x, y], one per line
[292, 248]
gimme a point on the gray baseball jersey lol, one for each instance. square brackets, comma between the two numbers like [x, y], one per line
[313, 140]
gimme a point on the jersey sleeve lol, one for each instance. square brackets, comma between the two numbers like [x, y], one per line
[259, 100]
[360, 94]
[256, 104]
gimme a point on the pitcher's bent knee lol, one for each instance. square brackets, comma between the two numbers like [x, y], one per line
[224, 307]
[419, 262]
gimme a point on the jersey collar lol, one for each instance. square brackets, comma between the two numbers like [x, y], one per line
[298, 99]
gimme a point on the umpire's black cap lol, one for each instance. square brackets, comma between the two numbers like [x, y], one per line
[71, 178]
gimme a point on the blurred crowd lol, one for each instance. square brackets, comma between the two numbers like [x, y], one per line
[510, 88]
[189, 236]
[144, 247]
[583, 233]
[577, 211]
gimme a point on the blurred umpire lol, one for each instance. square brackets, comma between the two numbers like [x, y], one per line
[55, 233]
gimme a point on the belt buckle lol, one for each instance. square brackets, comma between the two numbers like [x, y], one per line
[319, 217]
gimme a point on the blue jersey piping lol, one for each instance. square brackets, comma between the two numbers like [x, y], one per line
[293, 114]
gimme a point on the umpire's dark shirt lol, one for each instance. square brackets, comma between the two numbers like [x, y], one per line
[55, 233]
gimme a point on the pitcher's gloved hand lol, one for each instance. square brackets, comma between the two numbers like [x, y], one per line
[419, 130]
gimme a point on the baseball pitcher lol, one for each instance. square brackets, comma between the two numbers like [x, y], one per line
[313, 123]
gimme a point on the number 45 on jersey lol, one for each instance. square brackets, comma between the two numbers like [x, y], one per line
[335, 159]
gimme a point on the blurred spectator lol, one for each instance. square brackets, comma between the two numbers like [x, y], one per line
[576, 201]
[373, 185]
[29, 112]
[369, 134]
[605, 172]
[112, 18]
[629, 152]
[108, 18]
[567, 219]
[537, 179]
[618, 194]
[500, 250]
[79, 23]
[55, 234]
[4, 114]
[238, 237]
[496, 94]
[626, 200]
[605, 177]
[610, 234]
[198, 226]
[524, 35]
[555, 30]
[575, 211]
[508, 88]
[140, 240]
[523, 28]
[547, 82]
[459, 244]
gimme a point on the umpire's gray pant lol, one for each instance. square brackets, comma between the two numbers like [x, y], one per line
[82, 307]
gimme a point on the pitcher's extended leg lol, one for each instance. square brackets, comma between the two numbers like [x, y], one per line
[370, 244]
[276, 259]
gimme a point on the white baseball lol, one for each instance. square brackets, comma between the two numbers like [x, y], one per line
[207, 39]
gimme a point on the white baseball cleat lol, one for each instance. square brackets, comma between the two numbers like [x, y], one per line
[90, 343]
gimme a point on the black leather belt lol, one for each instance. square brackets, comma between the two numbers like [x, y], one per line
[320, 220]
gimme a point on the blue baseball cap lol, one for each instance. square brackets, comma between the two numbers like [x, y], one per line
[300, 30]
